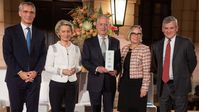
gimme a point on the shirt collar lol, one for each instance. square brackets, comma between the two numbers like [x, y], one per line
[59, 44]
[100, 37]
[172, 39]
[24, 26]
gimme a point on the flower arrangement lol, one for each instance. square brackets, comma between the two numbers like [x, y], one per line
[84, 21]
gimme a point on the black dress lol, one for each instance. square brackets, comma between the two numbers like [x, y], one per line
[129, 91]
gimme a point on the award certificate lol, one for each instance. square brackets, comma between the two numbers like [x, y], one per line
[109, 60]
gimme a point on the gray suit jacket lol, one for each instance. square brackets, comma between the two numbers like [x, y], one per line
[184, 62]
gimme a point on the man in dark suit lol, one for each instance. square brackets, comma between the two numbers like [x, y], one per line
[24, 54]
[101, 82]
[174, 61]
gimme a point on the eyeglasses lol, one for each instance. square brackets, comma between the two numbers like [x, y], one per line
[136, 34]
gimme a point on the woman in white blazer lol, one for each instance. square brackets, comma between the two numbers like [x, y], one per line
[63, 62]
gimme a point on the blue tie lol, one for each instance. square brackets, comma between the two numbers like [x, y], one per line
[28, 39]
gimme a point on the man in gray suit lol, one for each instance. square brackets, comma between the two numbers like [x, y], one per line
[174, 61]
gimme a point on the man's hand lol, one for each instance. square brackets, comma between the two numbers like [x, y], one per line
[23, 75]
[28, 76]
[102, 69]
[32, 75]
[113, 73]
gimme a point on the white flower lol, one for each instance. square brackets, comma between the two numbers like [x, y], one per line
[87, 25]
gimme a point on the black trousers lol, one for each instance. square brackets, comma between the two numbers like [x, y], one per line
[107, 94]
[62, 93]
[21, 92]
[168, 99]
[96, 98]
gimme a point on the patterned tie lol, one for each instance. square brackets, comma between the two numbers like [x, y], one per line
[28, 39]
[165, 75]
[103, 47]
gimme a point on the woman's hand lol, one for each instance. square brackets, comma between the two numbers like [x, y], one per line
[68, 72]
[143, 93]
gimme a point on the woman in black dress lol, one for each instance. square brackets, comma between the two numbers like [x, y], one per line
[135, 79]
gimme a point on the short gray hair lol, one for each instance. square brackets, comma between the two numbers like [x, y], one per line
[169, 19]
[26, 3]
[102, 16]
[62, 23]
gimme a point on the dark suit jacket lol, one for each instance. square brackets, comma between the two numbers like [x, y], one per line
[92, 58]
[16, 54]
[184, 62]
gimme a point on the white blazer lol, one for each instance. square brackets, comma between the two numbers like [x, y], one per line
[59, 58]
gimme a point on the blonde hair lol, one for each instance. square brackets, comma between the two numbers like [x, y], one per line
[62, 23]
[131, 31]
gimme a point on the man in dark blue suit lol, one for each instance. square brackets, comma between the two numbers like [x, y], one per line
[101, 82]
[24, 54]
[173, 75]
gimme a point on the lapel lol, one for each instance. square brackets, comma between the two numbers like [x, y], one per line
[109, 43]
[33, 40]
[176, 47]
[161, 50]
[97, 47]
[21, 37]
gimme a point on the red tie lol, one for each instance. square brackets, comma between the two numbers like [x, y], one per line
[165, 75]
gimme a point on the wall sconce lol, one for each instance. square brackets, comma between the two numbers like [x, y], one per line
[118, 9]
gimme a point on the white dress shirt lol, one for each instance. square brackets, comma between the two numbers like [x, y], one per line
[25, 30]
[172, 43]
[59, 58]
[106, 41]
